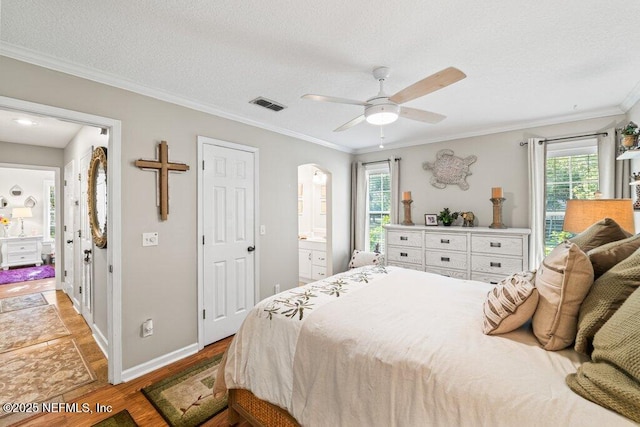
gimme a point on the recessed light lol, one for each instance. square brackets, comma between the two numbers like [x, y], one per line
[25, 122]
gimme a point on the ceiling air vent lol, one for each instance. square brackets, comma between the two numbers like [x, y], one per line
[267, 103]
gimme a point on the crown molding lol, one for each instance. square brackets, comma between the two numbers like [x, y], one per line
[47, 61]
[631, 99]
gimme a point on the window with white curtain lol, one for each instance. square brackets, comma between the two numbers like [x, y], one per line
[571, 173]
[378, 209]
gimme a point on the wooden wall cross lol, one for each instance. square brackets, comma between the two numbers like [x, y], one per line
[163, 166]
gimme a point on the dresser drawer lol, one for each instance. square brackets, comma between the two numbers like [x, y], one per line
[494, 279]
[458, 274]
[403, 265]
[319, 258]
[495, 264]
[448, 242]
[404, 255]
[456, 260]
[500, 245]
[405, 238]
[23, 258]
[318, 273]
[21, 247]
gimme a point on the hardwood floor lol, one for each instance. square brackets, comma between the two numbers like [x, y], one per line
[119, 397]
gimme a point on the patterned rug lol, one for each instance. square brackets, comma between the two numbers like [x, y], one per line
[22, 328]
[186, 399]
[26, 274]
[121, 419]
[21, 302]
[43, 373]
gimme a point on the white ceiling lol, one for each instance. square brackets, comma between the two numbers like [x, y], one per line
[528, 63]
[46, 131]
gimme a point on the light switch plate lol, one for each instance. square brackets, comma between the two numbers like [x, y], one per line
[150, 239]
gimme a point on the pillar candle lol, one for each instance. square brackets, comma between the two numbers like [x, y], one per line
[406, 195]
[496, 193]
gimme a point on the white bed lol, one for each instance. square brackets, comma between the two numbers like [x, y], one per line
[400, 347]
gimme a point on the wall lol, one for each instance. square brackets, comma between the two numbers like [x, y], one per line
[501, 162]
[32, 184]
[160, 282]
[634, 115]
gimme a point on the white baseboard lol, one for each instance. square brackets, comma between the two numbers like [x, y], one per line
[101, 340]
[158, 362]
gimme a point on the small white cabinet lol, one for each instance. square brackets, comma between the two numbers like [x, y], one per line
[312, 259]
[17, 251]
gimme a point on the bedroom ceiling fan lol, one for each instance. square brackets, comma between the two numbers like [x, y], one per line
[383, 109]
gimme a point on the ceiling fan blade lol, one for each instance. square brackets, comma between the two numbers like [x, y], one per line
[351, 123]
[429, 84]
[324, 98]
[421, 115]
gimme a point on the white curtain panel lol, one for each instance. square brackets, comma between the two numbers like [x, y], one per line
[537, 187]
[614, 174]
[394, 171]
[358, 206]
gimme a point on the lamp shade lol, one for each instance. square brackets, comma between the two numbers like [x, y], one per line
[21, 213]
[580, 214]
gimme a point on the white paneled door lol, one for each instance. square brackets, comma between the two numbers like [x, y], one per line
[229, 257]
[70, 209]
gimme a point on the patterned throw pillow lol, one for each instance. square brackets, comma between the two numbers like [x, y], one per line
[563, 281]
[362, 258]
[606, 256]
[510, 303]
[600, 233]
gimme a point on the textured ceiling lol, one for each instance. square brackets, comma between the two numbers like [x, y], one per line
[527, 63]
[47, 131]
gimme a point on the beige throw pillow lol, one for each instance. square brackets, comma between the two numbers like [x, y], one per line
[510, 303]
[563, 280]
[607, 294]
[606, 256]
[600, 233]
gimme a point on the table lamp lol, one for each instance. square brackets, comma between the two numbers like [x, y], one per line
[21, 213]
[580, 214]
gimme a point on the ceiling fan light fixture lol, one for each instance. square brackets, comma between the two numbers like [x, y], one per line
[382, 114]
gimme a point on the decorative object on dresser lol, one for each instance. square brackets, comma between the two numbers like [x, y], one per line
[430, 219]
[406, 201]
[449, 169]
[447, 217]
[20, 251]
[478, 253]
[163, 167]
[21, 213]
[497, 199]
[5, 222]
[467, 218]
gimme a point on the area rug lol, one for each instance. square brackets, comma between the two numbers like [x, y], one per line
[21, 302]
[26, 274]
[42, 373]
[22, 328]
[121, 419]
[186, 399]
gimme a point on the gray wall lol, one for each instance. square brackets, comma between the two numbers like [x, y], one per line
[30, 154]
[502, 162]
[160, 282]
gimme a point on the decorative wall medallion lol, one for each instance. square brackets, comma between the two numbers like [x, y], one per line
[16, 190]
[30, 202]
[449, 169]
[3, 202]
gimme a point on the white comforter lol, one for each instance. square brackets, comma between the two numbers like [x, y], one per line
[401, 348]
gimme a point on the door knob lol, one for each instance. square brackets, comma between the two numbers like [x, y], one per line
[69, 241]
[251, 248]
[87, 255]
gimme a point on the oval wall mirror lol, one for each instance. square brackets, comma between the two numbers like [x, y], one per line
[3, 202]
[30, 202]
[97, 196]
[16, 190]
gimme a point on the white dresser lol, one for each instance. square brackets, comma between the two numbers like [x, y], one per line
[312, 260]
[20, 251]
[477, 253]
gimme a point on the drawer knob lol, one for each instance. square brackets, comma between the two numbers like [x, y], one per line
[445, 259]
[495, 244]
[321, 259]
[404, 254]
[495, 264]
[446, 241]
[493, 282]
[404, 238]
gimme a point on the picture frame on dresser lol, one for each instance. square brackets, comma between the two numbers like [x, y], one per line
[430, 220]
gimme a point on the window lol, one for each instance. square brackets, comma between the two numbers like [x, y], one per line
[378, 204]
[571, 173]
[49, 214]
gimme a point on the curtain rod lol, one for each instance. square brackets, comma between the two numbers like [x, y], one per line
[382, 161]
[542, 141]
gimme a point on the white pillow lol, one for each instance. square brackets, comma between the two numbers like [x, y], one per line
[362, 258]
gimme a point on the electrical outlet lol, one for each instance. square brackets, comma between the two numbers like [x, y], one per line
[150, 239]
[276, 288]
[147, 328]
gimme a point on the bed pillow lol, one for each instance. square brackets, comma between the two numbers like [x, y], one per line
[598, 234]
[607, 294]
[362, 258]
[606, 256]
[563, 280]
[510, 304]
[612, 379]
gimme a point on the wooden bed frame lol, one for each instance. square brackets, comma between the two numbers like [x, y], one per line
[245, 405]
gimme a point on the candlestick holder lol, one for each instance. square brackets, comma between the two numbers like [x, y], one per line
[407, 212]
[497, 212]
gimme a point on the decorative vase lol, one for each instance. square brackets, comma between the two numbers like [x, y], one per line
[629, 141]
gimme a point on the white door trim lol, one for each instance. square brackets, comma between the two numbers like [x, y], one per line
[114, 231]
[202, 140]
